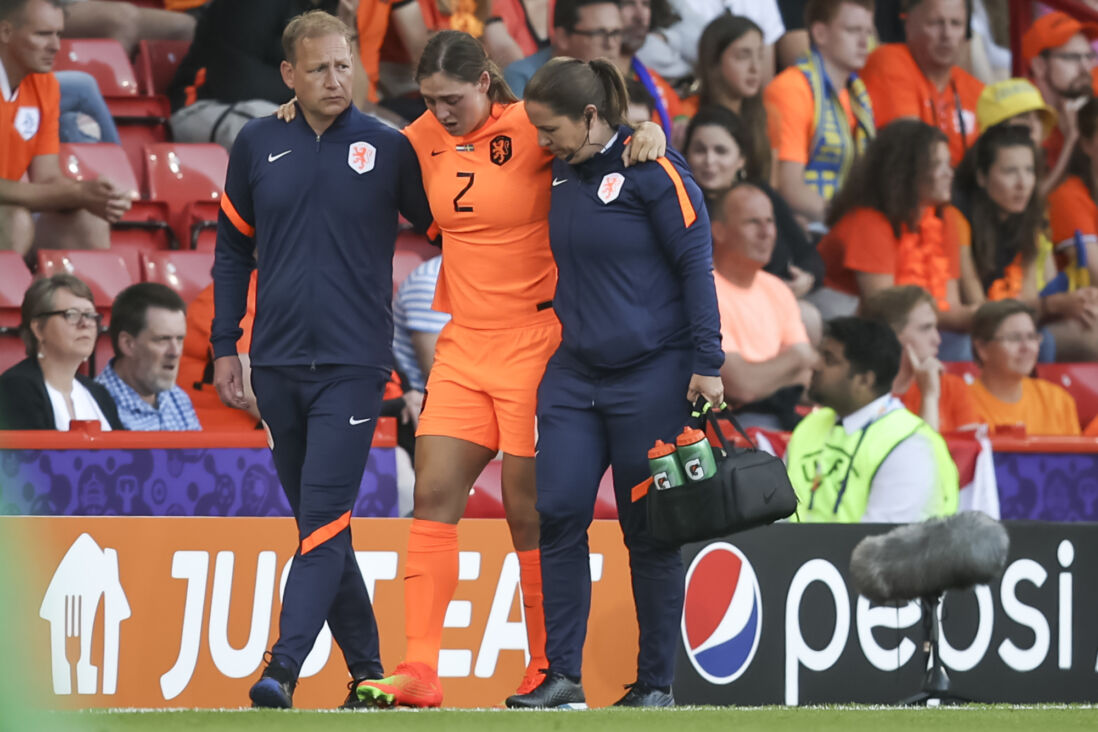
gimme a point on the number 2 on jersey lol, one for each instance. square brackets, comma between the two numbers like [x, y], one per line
[457, 206]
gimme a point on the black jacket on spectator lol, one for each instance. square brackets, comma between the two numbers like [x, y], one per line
[25, 405]
[239, 44]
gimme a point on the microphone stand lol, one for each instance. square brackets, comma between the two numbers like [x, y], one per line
[935, 690]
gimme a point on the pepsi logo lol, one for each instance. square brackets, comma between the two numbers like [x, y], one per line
[722, 613]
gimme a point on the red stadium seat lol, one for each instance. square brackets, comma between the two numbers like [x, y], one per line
[156, 62]
[404, 261]
[15, 278]
[184, 175]
[188, 273]
[1081, 381]
[103, 58]
[106, 273]
[967, 370]
[145, 225]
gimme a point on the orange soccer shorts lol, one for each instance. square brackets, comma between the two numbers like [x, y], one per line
[483, 385]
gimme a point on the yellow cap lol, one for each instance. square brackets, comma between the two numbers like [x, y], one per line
[1002, 100]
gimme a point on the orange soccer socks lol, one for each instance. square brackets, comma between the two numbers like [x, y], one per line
[430, 579]
[530, 580]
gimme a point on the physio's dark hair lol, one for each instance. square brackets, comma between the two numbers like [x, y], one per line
[870, 346]
[12, 10]
[38, 299]
[890, 176]
[458, 54]
[716, 116]
[567, 85]
[722, 32]
[130, 309]
[995, 239]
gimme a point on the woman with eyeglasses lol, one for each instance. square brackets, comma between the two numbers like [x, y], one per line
[1005, 341]
[44, 391]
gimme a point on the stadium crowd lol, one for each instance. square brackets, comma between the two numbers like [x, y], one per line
[883, 207]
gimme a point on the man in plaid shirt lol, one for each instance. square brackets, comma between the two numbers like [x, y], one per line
[148, 324]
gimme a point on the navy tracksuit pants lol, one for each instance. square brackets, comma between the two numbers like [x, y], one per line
[322, 422]
[588, 419]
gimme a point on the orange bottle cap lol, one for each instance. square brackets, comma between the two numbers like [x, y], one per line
[660, 449]
[689, 436]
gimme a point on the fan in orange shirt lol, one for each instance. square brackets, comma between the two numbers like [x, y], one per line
[1005, 342]
[1071, 206]
[488, 182]
[939, 398]
[1092, 428]
[921, 79]
[890, 224]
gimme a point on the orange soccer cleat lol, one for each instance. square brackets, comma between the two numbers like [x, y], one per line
[412, 684]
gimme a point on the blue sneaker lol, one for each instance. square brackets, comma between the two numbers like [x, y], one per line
[275, 688]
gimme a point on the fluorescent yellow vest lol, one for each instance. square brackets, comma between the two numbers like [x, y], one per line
[832, 471]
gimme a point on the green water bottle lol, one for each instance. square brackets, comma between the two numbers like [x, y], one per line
[665, 467]
[696, 455]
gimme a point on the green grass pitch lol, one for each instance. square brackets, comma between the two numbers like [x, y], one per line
[684, 719]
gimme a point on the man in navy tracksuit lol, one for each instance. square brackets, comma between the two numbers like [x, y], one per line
[313, 205]
[641, 328]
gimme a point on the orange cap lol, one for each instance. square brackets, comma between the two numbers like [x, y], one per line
[1051, 31]
[660, 449]
[689, 436]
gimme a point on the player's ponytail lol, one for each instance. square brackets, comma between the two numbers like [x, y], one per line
[460, 55]
[568, 86]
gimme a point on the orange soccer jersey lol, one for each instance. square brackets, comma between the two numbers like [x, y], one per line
[489, 193]
[28, 124]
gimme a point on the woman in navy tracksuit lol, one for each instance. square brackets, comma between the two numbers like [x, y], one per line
[641, 341]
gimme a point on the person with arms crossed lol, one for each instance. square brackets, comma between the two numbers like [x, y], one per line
[863, 457]
[74, 214]
[640, 343]
[318, 201]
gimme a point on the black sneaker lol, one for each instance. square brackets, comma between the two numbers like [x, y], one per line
[352, 701]
[643, 695]
[556, 691]
[275, 688]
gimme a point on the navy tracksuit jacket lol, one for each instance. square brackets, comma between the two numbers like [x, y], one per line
[318, 215]
[639, 313]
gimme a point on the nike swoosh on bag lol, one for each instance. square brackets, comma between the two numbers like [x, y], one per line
[352, 421]
[271, 158]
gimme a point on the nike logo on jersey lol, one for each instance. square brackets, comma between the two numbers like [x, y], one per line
[558, 181]
[436, 152]
[354, 421]
[272, 158]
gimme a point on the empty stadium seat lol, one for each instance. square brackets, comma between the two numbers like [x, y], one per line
[15, 278]
[156, 62]
[188, 273]
[103, 58]
[106, 273]
[185, 176]
[12, 350]
[1081, 381]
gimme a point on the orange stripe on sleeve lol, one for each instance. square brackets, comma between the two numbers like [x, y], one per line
[238, 221]
[689, 215]
[325, 532]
